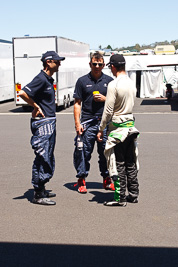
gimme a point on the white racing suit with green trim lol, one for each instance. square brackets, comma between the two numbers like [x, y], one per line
[122, 158]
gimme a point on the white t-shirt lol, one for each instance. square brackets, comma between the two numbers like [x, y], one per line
[119, 102]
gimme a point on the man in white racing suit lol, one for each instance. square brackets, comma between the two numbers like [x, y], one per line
[120, 149]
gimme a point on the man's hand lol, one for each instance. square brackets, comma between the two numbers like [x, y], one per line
[37, 111]
[100, 136]
[99, 98]
[79, 129]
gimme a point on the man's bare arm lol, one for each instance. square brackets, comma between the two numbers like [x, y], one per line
[77, 112]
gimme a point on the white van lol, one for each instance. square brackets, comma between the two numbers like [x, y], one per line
[164, 50]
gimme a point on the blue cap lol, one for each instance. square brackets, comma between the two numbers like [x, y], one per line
[51, 55]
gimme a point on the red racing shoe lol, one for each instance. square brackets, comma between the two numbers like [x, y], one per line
[82, 186]
[108, 184]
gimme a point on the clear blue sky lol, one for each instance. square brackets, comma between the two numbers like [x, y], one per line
[116, 23]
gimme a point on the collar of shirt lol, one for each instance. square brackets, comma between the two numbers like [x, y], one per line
[47, 76]
[92, 78]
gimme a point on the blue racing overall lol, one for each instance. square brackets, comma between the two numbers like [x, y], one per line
[82, 157]
[43, 143]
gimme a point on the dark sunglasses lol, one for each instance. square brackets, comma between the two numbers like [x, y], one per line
[99, 64]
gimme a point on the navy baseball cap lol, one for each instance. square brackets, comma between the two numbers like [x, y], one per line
[116, 60]
[51, 55]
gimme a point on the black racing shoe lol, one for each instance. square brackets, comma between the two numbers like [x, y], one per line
[43, 201]
[131, 199]
[48, 194]
[113, 203]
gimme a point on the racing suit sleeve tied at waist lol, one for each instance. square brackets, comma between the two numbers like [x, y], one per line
[43, 143]
[116, 136]
[126, 124]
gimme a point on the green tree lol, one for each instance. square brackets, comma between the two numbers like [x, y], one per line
[137, 47]
[109, 47]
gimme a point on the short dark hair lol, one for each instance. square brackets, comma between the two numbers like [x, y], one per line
[120, 67]
[96, 55]
[44, 64]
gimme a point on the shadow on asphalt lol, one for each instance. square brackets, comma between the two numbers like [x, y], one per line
[101, 197]
[161, 102]
[45, 255]
[18, 110]
[90, 185]
[28, 195]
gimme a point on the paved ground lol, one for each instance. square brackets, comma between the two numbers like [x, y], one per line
[79, 230]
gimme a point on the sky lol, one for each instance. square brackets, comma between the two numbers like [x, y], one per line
[97, 23]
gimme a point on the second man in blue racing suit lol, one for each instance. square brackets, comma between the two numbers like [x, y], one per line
[90, 94]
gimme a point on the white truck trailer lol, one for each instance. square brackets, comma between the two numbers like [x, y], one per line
[6, 71]
[27, 52]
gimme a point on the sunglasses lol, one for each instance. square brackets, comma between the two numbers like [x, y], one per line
[99, 64]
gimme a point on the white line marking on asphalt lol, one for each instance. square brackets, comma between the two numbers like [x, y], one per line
[154, 113]
[159, 132]
[29, 114]
[13, 114]
[71, 113]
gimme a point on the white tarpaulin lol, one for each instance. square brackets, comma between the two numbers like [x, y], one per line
[151, 84]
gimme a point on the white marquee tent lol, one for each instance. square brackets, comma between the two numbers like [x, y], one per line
[151, 81]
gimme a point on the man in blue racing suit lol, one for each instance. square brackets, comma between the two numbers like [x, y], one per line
[90, 94]
[40, 94]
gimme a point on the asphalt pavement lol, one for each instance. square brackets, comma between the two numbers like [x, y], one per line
[80, 230]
